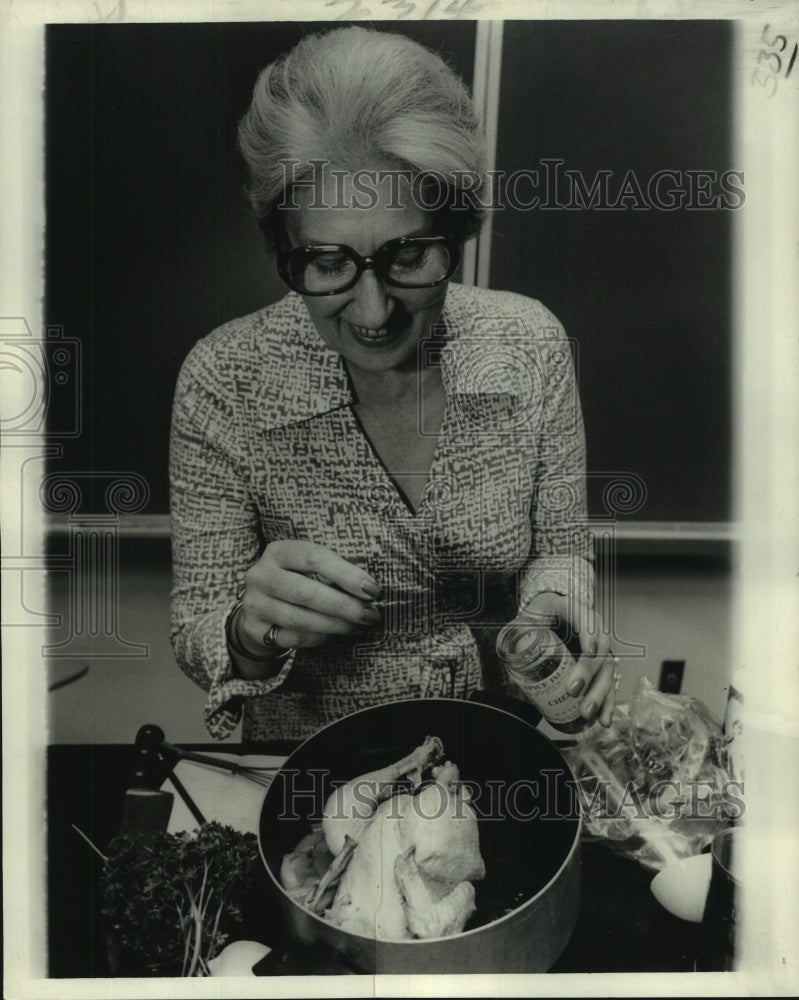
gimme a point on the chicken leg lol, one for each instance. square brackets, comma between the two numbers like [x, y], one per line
[432, 909]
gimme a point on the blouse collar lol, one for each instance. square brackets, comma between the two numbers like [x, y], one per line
[307, 378]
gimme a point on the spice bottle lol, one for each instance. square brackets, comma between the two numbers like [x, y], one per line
[540, 665]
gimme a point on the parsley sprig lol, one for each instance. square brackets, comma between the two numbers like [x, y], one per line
[173, 900]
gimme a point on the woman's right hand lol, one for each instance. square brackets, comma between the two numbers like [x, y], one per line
[309, 592]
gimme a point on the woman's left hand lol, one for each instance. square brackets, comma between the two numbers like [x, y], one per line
[593, 676]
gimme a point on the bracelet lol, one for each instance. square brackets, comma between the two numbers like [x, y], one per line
[235, 645]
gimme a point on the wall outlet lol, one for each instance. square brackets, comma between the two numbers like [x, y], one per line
[671, 672]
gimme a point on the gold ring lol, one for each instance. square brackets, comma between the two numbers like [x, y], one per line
[616, 678]
[270, 636]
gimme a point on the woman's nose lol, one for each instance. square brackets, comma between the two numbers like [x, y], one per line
[372, 302]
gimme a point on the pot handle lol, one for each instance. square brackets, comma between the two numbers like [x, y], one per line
[523, 710]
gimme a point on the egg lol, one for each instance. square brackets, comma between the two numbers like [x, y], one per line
[682, 887]
[238, 958]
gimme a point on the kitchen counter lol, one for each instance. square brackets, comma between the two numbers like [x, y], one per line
[620, 928]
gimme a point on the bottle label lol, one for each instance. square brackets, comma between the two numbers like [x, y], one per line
[550, 694]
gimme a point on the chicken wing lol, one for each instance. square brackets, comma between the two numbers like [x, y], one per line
[351, 807]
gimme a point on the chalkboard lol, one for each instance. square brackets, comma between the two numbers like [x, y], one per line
[642, 288]
[150, 245]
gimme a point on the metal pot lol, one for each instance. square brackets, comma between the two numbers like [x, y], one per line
[529, 824]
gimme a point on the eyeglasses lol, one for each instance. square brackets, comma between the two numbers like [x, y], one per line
[330, 268]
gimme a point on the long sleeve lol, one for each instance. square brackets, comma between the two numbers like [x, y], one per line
[265, 445]
[216, 536]
[561, 557]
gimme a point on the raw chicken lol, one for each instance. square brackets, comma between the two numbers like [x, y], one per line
[351, 807]
[408, 859]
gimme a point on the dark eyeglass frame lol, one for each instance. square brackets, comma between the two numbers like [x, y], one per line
[378, 262]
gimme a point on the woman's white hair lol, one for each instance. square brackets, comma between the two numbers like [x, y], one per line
[358, 98]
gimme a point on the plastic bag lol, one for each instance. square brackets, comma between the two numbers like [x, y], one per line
[656, 785]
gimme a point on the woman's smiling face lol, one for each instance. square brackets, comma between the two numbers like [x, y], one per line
[374, 326]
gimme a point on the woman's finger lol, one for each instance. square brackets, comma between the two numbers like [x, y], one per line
[606, 715]
[303, 592]
[272, 611]
[594, 655]
[544, 610]
[319, 561]
[594, 638]
[598, 691]
[267, 635]
[288, 638]
[594, 647]
[584, 670]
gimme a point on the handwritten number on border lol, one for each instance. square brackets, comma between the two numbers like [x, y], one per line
[770, 64]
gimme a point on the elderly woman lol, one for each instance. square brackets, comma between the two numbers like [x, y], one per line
[372, 476]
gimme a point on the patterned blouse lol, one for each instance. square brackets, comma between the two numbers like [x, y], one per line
[266, 445]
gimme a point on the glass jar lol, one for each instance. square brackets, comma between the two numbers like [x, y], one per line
[734, 724]
[539, 664]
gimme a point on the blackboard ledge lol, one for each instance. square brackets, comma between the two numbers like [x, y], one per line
[680, 538]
